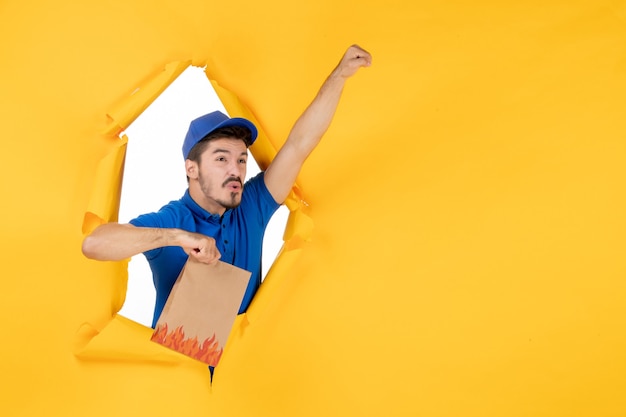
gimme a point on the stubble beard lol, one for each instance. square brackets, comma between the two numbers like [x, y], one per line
[235, 198]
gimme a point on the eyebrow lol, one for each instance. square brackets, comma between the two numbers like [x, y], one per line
[220, 150]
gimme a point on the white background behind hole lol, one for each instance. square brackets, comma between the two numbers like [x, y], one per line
[154, 174]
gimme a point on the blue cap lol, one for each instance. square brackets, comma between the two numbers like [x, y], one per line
[206, 124]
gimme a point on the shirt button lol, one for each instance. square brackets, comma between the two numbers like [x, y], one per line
[226, 242]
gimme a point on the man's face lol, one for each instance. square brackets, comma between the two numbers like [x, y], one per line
[221, 173]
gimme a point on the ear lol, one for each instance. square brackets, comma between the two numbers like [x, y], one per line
[191, 168]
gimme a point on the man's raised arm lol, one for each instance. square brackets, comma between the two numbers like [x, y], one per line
[311, 125]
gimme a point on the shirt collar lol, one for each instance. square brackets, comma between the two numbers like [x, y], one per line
[199, 211]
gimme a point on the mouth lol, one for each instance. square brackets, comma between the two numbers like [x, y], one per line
[233, 185]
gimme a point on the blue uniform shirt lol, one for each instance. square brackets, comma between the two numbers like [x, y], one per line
[238, 235]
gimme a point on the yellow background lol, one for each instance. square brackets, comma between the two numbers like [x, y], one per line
[468, 209]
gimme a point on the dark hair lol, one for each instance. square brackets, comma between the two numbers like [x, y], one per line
[229, 132]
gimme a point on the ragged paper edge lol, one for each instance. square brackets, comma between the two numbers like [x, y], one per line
[122, 339]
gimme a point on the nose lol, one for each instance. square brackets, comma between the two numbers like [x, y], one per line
[236, 169]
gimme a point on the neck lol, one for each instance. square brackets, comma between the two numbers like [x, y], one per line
[209, 205]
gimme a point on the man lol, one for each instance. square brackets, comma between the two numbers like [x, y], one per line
[219, 217]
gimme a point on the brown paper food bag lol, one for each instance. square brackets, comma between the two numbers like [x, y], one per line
[200, 310]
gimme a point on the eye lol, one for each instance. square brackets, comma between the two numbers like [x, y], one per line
[221, 159]
[243, 161]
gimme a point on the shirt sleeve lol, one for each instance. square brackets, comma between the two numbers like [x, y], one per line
[164, 218]
[257, 194]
